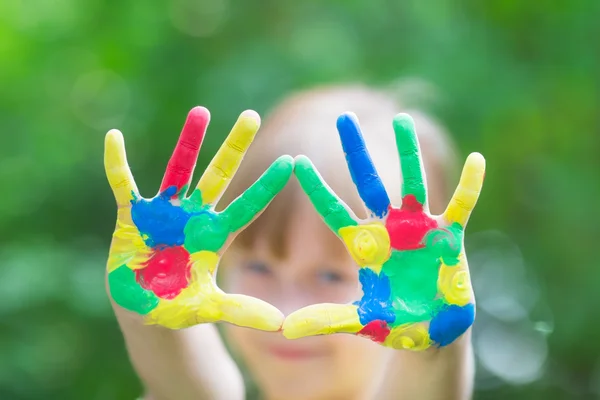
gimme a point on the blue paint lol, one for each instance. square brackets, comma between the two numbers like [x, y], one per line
[160, 222]
[450, 322]
[376, 302]
[363, 172]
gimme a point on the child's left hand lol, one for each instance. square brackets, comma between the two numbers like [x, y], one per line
[413, 268]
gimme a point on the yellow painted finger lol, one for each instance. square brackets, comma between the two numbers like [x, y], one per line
[250, 312]
[223, 166]
[322, 319]
[117, 170]
[465, 197]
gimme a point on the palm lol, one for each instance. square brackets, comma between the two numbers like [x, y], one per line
[165, 250]
[414, 273]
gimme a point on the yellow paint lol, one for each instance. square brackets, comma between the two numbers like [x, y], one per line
[368, 244]
[465, 197]
[413, 336]
[322, 319]
[127, 245]
[455, 284]
[203, 302]
[117, 170]
[223, 166]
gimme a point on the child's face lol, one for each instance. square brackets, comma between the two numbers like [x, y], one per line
[315, 269]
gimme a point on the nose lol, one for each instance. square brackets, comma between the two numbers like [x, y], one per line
[291, 297]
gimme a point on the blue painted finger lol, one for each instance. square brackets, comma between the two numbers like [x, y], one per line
[363, 172]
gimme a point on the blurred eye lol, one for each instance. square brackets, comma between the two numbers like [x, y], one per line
[258, 267]
[329, 276]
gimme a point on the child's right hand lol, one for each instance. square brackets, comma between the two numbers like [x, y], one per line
[165, 250]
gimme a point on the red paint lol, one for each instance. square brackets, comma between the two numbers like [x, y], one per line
[376, 330]
[166, 273]
[181, 165]
[408, 225]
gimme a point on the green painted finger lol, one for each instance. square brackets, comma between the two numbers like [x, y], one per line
[331, 208]
[127, 293]
[410, 158]
[246, 207]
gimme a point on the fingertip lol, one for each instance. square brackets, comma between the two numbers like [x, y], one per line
[403, 122]
[346, 120]
[113, 135]
[302, 161]
[476, 159]
[199, 114]
[250, 118]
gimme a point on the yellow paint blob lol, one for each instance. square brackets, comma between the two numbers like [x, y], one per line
[413, 336]
[127, 245]
[369, 245]
[455, 284]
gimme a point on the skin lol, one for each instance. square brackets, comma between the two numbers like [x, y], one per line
[316, 269]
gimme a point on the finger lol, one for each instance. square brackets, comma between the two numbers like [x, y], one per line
[223, 166]
[467, 192]
[117, 170]
[332, 209]
[322, 319]
[411, 163]
[250, 312]
[183, 161]
[254, 200]
[362, 170]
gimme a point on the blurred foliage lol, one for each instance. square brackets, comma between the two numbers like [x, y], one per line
[518, 81]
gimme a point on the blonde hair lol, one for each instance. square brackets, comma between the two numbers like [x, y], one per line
[305, 123]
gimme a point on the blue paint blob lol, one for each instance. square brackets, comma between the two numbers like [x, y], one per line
[362, 170]
[160, 222]
[376, 301]
[450, 322]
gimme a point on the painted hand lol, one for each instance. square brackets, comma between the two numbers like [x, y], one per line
[413, 268]
[165, 250]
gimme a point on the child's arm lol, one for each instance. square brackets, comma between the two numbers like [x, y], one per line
[445, 374]
[188, 364]
[164, 257]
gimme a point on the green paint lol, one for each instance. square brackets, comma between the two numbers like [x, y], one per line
[413, 279]
[414, 274]
[127, 293]
[446, 242]
[193, 204]
[328, 205]
[410, 158]
[183, 191]
[205, 231]
[245, 208]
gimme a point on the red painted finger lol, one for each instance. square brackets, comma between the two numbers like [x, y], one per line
[183, 161]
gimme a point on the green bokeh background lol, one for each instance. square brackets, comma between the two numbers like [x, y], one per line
[517, 81]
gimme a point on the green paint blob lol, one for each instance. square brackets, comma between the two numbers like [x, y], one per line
[245, 208]
[446, 242]
[193, 204]
[331, 208]
[410, 159]
[127, 293]
[413, 279]
[205, 231]
[414, 274]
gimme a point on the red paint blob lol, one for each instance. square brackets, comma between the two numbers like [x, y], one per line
[166, 273]
[376, 330]
[408, 225]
